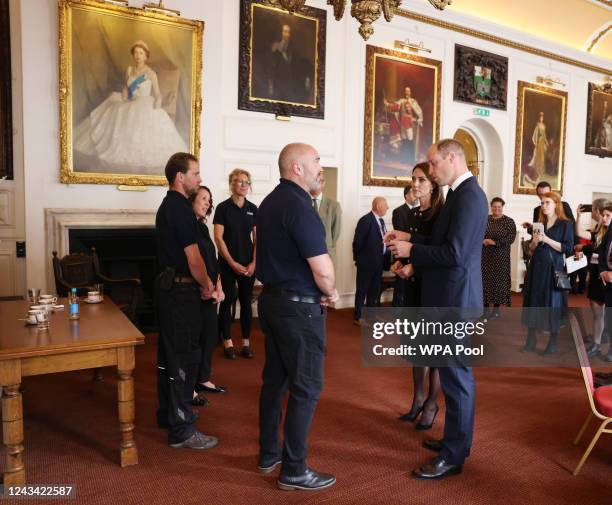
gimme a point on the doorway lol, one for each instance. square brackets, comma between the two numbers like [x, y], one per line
[484, 154]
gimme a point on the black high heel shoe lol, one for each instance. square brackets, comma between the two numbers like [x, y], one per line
[411, 416]
[425, 427]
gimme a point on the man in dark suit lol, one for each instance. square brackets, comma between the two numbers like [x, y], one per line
[605, 274]
[401, 222]
[541, 189]
[370, 255]
[399, 218]
[450, 265]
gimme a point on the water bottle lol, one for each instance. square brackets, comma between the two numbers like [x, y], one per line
[73, 301]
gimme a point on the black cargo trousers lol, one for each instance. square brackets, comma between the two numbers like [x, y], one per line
[178, 356]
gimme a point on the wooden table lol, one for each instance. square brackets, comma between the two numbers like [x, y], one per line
[103, 336]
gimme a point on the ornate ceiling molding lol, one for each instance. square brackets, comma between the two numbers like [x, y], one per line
[597, 38]
[502, 41]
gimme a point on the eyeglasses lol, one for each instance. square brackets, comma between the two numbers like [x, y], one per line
[242, 183]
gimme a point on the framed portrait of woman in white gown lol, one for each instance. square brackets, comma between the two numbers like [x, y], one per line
[599, 121]
[130, 92]
[539, 153]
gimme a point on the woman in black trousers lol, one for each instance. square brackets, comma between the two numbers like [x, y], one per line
[202, 206]
[235, 238]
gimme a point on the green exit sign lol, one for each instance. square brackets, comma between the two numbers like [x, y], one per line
[482, 112]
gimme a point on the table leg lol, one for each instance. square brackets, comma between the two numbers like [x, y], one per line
[12, 423]
[125, 392]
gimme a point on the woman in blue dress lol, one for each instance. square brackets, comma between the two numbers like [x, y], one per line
[545, 306]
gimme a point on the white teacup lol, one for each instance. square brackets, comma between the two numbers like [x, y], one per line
[93, 296]
[32, 316]
[42, 319]
[47, 299]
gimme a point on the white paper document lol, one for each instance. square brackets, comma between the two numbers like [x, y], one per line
[572, 264]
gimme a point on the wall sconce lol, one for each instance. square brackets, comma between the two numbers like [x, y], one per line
[406, 45]
[549, 81]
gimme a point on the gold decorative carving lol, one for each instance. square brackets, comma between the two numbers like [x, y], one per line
[65, 7]
[368, 11]
[499, 40]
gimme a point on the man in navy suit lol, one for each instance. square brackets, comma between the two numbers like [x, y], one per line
[370, 255]
[450, 265]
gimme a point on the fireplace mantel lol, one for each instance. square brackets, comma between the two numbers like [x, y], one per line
[59, 222]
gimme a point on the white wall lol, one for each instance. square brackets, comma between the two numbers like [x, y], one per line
[234, 138]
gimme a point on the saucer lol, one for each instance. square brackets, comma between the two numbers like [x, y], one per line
[87, 300]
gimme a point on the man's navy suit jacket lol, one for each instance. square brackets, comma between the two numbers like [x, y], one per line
[368, 245]
[450, 259]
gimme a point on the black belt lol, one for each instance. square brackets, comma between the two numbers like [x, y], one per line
[184, 280]
[292, 296]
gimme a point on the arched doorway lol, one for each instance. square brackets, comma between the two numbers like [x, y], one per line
[484, 154]
[473, 157]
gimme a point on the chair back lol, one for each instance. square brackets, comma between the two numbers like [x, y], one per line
[76, 270]
[583, 358]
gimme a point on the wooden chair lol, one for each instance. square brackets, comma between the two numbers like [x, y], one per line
[600, 399]
[78, 270]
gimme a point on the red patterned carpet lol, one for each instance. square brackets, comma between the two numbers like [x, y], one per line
[523, 454]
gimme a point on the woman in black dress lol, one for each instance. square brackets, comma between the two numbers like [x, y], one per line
[601, 214]
[545, 306]
[202, 206]
[500, 234]
[421, 221]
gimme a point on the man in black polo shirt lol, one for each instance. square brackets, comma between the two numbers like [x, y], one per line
[299, 280]
[183, 281]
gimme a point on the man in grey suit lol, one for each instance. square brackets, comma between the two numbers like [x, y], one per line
[331, 214]
[449, 262]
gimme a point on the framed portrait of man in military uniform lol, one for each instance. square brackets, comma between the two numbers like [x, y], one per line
[282, 59]
[402, 114]
[480, 78]
[599, 121]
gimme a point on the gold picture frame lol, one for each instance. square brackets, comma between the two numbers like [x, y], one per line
[539, 153]
[598, 140]
[119, 124]
[392, 146]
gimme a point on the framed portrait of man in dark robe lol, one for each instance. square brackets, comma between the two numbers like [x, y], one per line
[282, 59]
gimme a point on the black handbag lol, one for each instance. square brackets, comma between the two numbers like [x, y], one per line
[561, 279]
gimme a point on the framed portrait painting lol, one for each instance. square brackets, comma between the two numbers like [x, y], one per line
[539, 153]
[130, 96]
[480, 77]
[402, 114]
[599, 121]
[282, 59]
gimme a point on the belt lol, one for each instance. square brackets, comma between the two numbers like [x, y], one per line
[292, 296]
[184, 280]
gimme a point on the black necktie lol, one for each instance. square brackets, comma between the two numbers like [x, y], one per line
[315, 204]
[382, 225]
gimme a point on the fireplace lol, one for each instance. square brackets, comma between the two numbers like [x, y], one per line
[125, 243]
[123, 253]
